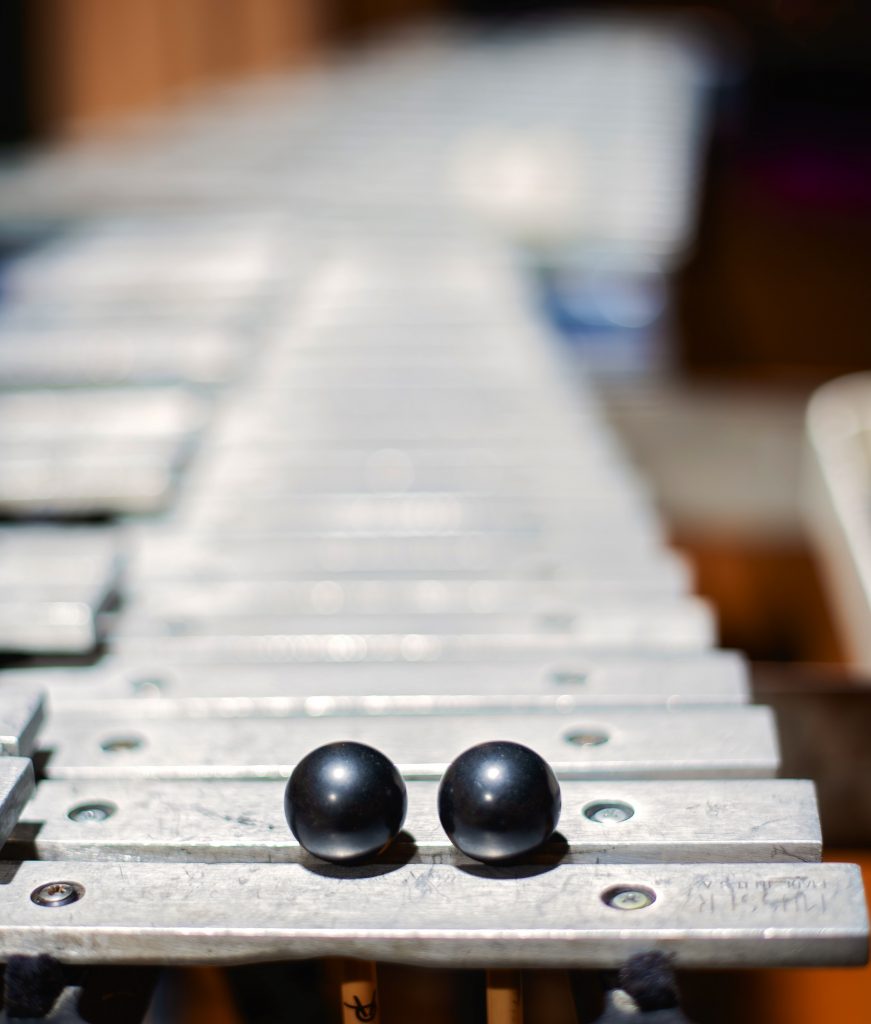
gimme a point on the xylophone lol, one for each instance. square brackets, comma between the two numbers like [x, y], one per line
[289, 458]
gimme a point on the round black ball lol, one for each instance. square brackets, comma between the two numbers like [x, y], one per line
[345, 802]
[498, 801]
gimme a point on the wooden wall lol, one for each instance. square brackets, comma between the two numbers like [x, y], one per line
[93, 62]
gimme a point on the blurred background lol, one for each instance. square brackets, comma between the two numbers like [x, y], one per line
[707, 352]
[768, 300]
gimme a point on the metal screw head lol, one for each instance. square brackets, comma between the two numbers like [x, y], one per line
[628, 897]
[92, 812]
[587, 737]
[57, 894]
[611, 813]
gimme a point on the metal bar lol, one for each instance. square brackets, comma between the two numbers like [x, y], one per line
[569, 915]
[50, 557]
[638, 743]
[22, 709]
[467, 557]
[681, 623]
[39, 622]
[150, 688]
[327, 597]
[65, 356]
[55, 584]
[83, 413]
[630, 822]
[469, 553]
[428, 511]
[16, 788]
[306, 648]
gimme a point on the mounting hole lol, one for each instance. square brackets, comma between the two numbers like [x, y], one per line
[586, 737]
[609, 812]
[120, 744]
[97, 810]
[179, 625]
[148, 686]
[557, 620]
[568, 677]
[628, 897]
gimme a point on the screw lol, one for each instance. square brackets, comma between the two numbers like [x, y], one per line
[609, 814]
[57, 894]
[91, 812]
[626, 898]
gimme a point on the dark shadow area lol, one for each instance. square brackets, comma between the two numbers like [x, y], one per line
[22, 843]
[507, 872]
[400, 852]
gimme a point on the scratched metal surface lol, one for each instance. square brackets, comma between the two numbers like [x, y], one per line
[747, 820]
[707, 915]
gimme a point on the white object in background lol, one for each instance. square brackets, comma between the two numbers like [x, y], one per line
[839, 503]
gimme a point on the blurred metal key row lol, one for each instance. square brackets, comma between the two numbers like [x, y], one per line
[290, 455]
